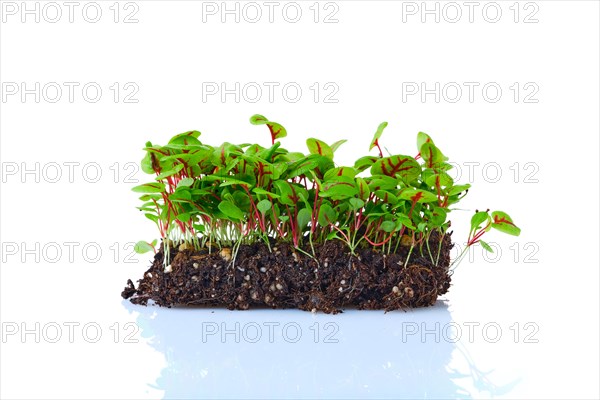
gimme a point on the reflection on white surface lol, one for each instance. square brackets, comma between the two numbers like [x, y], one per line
[223, 354]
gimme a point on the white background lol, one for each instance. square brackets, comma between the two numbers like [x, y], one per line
[548, 277]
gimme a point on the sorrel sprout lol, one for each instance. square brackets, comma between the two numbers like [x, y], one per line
[233, 194]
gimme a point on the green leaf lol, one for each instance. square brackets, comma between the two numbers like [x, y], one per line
[388, 226]
[401, 166]
[258, 119]
[142, 247]
[182, 195]
[304, 217]
[422, 138]
[290, 193]
[363, 189]
[341, 188]
[324, 164]
[240, 179]
[277, 131]
[278, 169]
[486, 246]
[443, 178]
[191, 157]
[364, 163]
[150, 196]
[231, 210]
[200, 228]
[405, 220]
[222, 156]
[185, 217]
[504, 223]
[254, 149]
[432, 155]
[438, 216]
[149, 161]
[155, 187]
[377, 135]
[418, 195]
[286, 192]
[186, 139]
[170, 172]
[356, 204]
[241, 199]
[386, 196]
[327, 215]
[258, 190]
[340, 171]
[307, 164]
[232, 163]
[158, 150]
[291, 157]
[148, 204]
[337, 144]
[382, 182]
[316, 146]
[267, 154]
[264, 206]
[458, 189]
[478, 219]
[185, 182]
[332, 235]
[152, 217]
[375, 210]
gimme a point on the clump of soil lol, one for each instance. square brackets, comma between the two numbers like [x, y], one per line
[285, 278]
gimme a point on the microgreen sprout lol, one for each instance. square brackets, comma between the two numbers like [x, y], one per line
[229, 195]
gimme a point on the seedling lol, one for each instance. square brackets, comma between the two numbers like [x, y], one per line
[228, 195]
[206, 198]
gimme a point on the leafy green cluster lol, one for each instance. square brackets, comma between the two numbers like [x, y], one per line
[233, 194]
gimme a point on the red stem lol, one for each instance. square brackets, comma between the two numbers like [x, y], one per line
[314, 216]
[382, 243]
[437, 185]
[293, 226]
[342, 232]
[379, 148]
[477, 236]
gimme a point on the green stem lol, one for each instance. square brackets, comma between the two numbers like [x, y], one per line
[437, 260]
[408, 256]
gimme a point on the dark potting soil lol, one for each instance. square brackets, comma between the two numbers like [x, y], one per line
[285, 278]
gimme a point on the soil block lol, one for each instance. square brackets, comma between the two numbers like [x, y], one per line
[282, 277]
